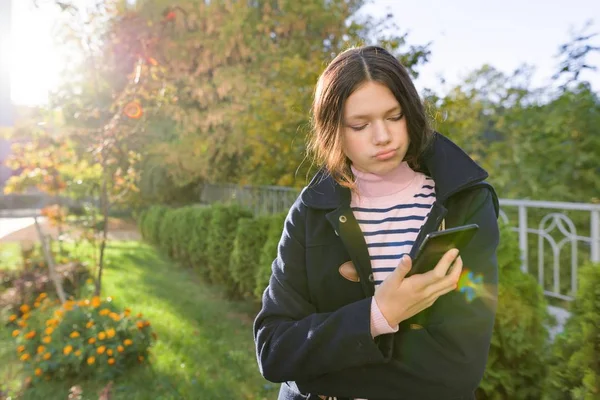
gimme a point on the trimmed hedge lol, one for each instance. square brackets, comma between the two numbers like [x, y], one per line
[196, 250]
[575, 363]
[247, 249]
[517, 359]
[262, 273]
[221, 234]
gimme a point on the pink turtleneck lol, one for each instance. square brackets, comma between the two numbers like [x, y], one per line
[390, 210]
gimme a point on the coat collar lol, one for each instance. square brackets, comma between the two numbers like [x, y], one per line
[447, 164]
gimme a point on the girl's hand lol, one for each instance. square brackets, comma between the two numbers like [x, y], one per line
[400, 298]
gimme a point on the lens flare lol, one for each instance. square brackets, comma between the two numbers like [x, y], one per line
[472, 286]
[133, 110]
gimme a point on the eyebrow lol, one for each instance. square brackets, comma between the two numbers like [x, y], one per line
[395, 108]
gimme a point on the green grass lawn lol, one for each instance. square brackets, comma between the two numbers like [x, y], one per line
[10, 255]
[204, 350]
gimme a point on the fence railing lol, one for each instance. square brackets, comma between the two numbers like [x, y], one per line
[548, 221]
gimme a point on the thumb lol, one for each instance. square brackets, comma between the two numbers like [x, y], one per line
[403, 267]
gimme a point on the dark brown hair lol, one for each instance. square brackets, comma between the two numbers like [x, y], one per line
[341, 78]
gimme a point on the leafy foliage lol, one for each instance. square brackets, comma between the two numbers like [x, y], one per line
[245, 258]
[221, 235]
[574, 368]
[268, 254]
[517, 360]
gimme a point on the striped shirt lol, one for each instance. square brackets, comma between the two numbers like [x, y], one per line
[390, 211]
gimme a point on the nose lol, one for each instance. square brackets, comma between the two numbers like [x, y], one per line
[381, 136]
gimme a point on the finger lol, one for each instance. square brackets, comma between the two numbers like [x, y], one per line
[441, 269]
[456, 269]
[449, 282]
[403, 267]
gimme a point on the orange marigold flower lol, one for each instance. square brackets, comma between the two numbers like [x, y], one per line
[128, 342]
[92, 340]
[78, 353]
[30, 335]
[91, 360]
[96, 301]
[114, 316]
[101, 335]
[47, 339]
[146, 323]
[74, 334]
[104, 311]
[59, 313]
[12, 318]
[101, 349]
[69, 305]
[42, 295]
[89, 324]
[21, 348]
[111, 361]
[140, 324]
[47, 356]
[109, 352]
[25, 316]
[111, 333]
[25, 357]
[120, 348]
[67, 350]
[22, 324]
[127, 312]
[83, 303]
[49, 330]
[38, 371]
[16, 332]
[41, 349]
[139, 315]
[24, 308]
[36, 304]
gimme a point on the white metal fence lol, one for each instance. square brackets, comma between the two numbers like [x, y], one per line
[546, 230]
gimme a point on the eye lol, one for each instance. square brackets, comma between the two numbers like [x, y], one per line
[358, 128]
[397, 117]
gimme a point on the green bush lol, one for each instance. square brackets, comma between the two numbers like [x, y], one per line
[517, 359]
[247, 248]
[221, 234]
[152, 223]
[575, 363]
[268, 254]
[166, 235]
[200, 227]
[184, 224]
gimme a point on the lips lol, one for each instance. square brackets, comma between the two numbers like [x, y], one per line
[385, 154]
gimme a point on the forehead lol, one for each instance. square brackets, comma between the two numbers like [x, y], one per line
[370, 99]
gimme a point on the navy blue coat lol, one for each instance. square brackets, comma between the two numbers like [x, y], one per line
[313, 331]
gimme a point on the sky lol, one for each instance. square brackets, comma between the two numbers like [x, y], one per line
[465, 34]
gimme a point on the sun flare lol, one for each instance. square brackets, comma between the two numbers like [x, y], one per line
[34, 61]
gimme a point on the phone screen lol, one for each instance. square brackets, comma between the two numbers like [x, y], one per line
[436, 244]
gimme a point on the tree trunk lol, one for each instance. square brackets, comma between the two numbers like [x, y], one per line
[49, 260]
[105, 209]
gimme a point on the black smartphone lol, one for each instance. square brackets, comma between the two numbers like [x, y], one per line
[436, 244]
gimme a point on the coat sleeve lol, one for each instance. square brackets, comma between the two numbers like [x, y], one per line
[450, 352]
[293, 341]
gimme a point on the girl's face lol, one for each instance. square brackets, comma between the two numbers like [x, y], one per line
[374, 133]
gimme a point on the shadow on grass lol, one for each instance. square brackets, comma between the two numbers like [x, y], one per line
[205, 340]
